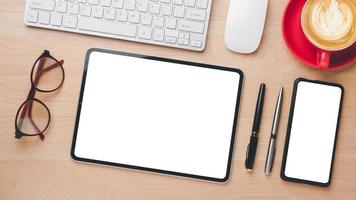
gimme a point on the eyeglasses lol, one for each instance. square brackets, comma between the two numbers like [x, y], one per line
[33, 116]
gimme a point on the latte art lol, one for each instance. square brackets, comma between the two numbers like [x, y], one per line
[330, 24]
[332, 21]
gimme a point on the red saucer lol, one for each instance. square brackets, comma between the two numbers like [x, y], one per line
[300, 46]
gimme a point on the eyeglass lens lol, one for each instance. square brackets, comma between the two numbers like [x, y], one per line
[33, 118]
[47, 74]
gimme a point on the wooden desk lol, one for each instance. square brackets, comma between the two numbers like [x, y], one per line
[31, 169]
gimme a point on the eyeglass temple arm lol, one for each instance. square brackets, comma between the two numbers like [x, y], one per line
[32, 122]
[54, 65]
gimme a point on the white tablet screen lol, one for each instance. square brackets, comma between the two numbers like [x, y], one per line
[157, 115]
[313, 132]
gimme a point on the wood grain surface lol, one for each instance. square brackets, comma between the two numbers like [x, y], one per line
[31, 169]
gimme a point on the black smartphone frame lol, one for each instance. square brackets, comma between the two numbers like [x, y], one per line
[290, 120]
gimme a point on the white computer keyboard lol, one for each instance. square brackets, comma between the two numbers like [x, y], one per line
[174, 23]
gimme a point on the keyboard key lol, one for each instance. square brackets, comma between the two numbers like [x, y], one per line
[70, 21]
[42, 4]
[93, 2]
[98, 12]
[171, 39]
[130, 4]
[146, 19]
[177, 2]
[56, 19]
[106, 3]
[195, 43]
[171, 23]
[158, 35]
[134, 17]
[196, 14]
[144, 32]
[82, 1]
[73, 9]
[158, 21]
[166, 1]
[196, 36]
[117, 3]
[190, 3]
[142, 6]
[109, 13]
[167, 10]
[183, 42]
[202, 4]
[85, 10]
[189, 26]
[32, 16]
[62, 6]
[184, 35]
[122, 15]
[178, 11]
[171, 32]
[155, 8]
[43, 17]
[110, 27]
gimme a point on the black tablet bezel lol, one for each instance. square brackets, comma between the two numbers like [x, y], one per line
[291, 112]
[152, 169]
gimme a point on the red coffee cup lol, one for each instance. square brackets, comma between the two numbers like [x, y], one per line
[303, 49]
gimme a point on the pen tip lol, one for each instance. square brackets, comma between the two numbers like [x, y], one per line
[281, 90]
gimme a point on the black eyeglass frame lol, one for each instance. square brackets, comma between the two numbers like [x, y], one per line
[31, 96]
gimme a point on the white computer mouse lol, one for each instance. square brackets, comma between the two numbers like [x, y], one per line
[244, 25]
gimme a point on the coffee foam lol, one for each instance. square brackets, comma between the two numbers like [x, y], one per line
[330, 23]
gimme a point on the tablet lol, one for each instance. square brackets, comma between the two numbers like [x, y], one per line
[156, 114]
[312, 130]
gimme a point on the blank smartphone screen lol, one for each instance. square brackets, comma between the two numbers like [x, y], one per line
[313, 132]
[157, 114]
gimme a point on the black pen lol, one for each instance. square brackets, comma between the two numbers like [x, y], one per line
[252, 146]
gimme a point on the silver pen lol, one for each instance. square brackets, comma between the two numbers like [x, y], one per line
[272, 142]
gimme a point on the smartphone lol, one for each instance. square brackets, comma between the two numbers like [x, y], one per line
[312, 131]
